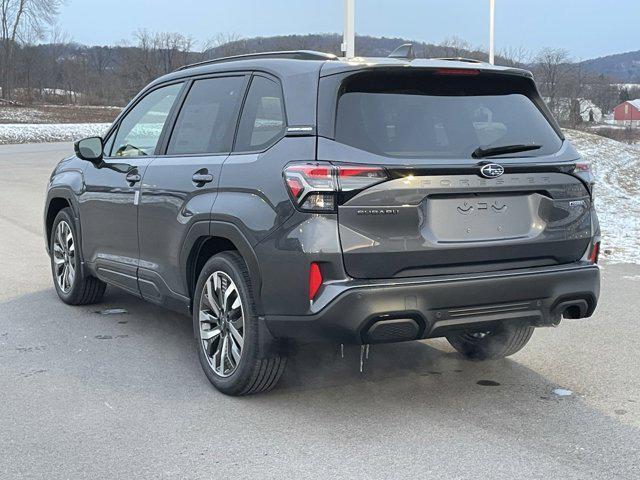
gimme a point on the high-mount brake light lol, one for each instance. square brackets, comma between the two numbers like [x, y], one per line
[313, 186]
[457, 71]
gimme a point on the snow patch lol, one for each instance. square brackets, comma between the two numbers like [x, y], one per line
[51, 132]
[616, 166]
[21, 115]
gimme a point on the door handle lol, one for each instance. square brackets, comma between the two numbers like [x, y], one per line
[133, 178]
[202, 178]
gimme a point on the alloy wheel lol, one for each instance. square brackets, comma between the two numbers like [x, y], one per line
[64, 256]
[221, 319]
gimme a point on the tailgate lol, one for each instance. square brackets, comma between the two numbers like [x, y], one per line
[426, 225]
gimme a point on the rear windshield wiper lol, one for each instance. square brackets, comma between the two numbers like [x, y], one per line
[490, 152]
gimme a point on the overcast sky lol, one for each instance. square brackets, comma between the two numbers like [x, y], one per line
[587, 28]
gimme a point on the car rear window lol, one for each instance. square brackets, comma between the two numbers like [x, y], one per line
[440, 116]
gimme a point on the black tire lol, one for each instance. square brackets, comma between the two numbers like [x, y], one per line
[82, 289]
[498, 343]
[252, 374]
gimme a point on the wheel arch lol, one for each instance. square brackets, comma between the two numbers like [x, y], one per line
[206, 239]
[57, 200]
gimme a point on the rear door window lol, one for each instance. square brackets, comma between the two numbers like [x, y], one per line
[263, 119]
[207, 120]
[423, 116]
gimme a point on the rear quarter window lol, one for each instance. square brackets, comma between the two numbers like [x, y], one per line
[263, 119]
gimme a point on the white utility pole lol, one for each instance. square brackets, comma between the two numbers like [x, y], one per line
[349, 38]
[492, 14]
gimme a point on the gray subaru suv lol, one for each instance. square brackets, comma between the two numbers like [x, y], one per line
[294, 197]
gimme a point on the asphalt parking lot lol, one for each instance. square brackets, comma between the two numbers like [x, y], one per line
[86, 395]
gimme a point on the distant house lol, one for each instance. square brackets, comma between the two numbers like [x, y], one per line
[568, 110]
[628, 113]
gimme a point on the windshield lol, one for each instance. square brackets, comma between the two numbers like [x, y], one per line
[432, 117]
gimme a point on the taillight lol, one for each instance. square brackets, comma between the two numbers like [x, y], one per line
[595, 253]
[295, 187]
[358, 178]
[314, 186]
[582, 166]
[315, 280]
[582, 169]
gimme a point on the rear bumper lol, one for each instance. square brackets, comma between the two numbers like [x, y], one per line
[398, 310]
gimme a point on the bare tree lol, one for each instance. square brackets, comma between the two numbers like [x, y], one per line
[574, 89]
[25, 61]
[551, 70]
[100, 59]
[455, 46]
[517, 57]
[154, 54]
[57, 75]
[603, 93]
[147, 62]
[16, 18]
[174, 49]
[224, 45]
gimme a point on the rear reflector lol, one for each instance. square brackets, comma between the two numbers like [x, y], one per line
[595, 253]
[315, 280]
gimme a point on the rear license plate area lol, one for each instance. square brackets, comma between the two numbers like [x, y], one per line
[482, 218]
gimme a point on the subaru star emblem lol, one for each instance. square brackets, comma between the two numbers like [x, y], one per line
[491, 170]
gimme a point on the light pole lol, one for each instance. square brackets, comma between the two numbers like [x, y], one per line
[349, 38]
[492, 11]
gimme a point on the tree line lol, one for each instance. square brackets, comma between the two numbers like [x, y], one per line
[41, 64]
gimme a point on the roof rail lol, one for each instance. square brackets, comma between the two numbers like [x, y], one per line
[459, 59]
[289, 54]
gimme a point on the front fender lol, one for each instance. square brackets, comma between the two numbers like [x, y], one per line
[65, 184]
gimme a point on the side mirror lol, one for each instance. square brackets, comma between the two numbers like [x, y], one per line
[89, 149]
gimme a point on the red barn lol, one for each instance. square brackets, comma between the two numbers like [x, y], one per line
[628, 113]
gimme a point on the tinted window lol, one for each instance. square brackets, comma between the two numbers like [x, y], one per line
[140, 130]
[262, 119]
[431, 117]
[207, 120]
